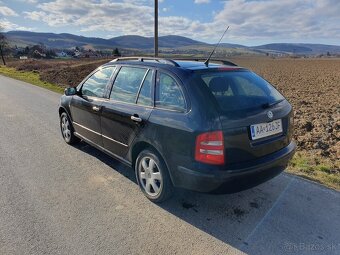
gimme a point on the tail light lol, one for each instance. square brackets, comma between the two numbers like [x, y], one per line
[210, 148]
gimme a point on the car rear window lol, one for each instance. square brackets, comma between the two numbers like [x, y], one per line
[239, 90]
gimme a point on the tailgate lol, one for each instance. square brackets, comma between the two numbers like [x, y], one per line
[254, 135]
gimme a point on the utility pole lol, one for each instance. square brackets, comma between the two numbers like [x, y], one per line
[156, 28]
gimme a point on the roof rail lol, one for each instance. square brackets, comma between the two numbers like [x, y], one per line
[142, 59]
[224, 62]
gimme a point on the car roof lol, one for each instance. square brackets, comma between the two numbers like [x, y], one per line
[187, 64]
[197, 65]
[173, 64]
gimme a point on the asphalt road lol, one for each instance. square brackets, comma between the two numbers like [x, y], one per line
[59, 199]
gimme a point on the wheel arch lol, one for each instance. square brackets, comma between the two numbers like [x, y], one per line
[63, 109]
[138, 147]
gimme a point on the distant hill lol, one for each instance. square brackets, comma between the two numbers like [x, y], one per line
[233, 46]
[54, 40]
[140, 42]
[64, 41]
[299, 48]
[68, 40]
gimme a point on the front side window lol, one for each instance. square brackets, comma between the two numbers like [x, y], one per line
[127, 84]
[168, 93]
[95, 85]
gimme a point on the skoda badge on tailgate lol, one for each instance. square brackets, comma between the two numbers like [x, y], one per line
[270, 114]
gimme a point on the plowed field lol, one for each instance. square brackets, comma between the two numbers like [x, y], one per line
[313, 88]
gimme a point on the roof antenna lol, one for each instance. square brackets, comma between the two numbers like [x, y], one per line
[208, 59]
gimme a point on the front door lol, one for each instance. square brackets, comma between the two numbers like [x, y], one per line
[86, 106]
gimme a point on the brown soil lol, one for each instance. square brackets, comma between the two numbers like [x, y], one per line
[64, 73]
[311, 85]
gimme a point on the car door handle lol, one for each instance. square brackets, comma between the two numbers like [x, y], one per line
[96, 108]
[136, 118]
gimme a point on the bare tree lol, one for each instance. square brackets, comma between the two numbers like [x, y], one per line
[3, 45]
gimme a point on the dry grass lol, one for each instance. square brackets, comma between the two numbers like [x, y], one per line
[31, 77]
[315, 168]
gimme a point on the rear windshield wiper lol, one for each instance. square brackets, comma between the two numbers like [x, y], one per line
[267, 105]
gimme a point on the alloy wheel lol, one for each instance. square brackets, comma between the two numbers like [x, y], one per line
[150, 177]
[65, 128]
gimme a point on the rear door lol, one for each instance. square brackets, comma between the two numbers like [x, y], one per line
[128, 109]
[253, 114]
[86, 106]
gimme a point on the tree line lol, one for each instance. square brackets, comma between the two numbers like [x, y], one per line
[3, 45]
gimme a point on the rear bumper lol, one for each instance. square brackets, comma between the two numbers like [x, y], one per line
[229, 181]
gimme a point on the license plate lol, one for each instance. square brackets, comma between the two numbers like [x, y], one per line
[261, 130]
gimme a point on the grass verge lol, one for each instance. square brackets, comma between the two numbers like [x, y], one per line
[29, 77]
[316, 168]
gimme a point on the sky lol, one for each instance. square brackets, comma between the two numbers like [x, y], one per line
[252, 22]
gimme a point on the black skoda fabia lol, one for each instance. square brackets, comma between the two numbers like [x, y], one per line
[216, 128]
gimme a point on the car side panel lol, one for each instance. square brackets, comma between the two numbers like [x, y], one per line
[86, 119]
[64, 105]
[118, 129]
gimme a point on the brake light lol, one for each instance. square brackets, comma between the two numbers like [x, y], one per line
[210, 148]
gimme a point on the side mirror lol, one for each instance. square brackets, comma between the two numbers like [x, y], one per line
[70, 91]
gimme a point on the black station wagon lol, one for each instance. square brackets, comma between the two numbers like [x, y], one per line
[216, 128]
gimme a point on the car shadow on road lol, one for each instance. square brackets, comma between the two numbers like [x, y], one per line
[106, 159]
[231, 218]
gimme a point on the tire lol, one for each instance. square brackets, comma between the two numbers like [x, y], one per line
[155, 183]
[67, 130]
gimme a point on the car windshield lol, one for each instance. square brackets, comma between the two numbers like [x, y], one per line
[240, 90]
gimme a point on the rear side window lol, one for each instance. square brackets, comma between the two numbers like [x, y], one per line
[144, 97]
[168, 93]
[95, 85]
[127, 84]
[239, 90]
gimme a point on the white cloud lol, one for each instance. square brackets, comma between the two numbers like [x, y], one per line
[118, 17]
[248, 20]
[35, 15]
[28, 1]
[7, 25]
[202, 1]
[297, 19]
[6, 11]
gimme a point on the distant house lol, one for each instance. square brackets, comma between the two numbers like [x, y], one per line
[62, 54]
[23, 57]
[77, 54]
